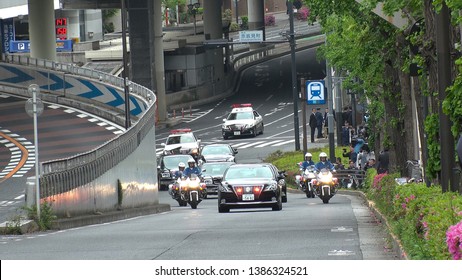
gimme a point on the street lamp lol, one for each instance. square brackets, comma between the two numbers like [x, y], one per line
[193, 10]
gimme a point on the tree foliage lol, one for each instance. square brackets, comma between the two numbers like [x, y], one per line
[376, 53]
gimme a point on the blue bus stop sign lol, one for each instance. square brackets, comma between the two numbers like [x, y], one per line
[315, 93]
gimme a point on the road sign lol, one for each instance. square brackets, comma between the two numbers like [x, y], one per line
[251, 36]
[30, 107]
[315, 93]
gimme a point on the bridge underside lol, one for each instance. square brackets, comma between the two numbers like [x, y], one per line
[91, 4]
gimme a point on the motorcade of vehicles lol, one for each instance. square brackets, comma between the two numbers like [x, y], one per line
[166, 168]
[212, 174]
[243, 120]
[182, 141]
[188, 190]
[325, 185]
[218, 152]
[250, 185]
[304, 179]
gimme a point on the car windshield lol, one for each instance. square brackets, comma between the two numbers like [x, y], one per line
[177, 139]
[215, 169]
[171, 162]
[215, 150]
[240, 116]
[244, 172]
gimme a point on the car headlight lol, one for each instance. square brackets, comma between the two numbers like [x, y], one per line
[224, 187]
[272, 187]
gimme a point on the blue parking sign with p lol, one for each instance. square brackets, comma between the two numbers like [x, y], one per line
[315, 93]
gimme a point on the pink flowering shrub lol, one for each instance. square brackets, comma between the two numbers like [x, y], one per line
[454, 241]
[270, 20]
[377, 178]
[303, 13]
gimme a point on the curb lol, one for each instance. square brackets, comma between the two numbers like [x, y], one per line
[397, 247]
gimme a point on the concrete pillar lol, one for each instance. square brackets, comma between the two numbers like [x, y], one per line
[93, 25]
[42, 29]
[73, 25]
[157, 56]
[257, 15]
[140, 60]
[213, 29]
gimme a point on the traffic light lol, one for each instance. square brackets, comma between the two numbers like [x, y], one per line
[297, 4]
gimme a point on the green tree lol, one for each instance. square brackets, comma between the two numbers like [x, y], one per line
[378, 54]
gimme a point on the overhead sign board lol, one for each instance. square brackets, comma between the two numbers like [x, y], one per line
[315, 92]
[7, 33]
[24, 46]
[250, 36]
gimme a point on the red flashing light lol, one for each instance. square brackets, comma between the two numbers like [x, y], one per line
[181, 130]
[242, 105]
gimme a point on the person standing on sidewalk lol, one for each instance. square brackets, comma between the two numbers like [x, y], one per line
[313, 124]
[319, 121]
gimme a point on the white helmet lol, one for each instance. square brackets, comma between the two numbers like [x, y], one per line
[191, 161]
[308, 155]
[181, 165]
[322, 155]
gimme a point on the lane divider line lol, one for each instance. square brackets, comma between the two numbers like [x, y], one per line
[22, 161]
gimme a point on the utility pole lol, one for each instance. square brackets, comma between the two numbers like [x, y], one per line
[444, 81]
[303, 92]
[294, 75]
[125, 60]
[330, 113]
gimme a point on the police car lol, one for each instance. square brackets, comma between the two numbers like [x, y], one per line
[243, 120]
[182, 141]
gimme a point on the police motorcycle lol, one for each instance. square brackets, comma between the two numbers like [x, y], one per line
[325, 185]
[188, 190]
[304, 179]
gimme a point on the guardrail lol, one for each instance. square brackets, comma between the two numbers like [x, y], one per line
[62, 175]
[271, 50]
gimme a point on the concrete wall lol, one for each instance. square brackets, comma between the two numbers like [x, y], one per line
[138, 178]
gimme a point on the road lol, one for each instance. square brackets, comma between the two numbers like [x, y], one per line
[344, 229]
[304, 229]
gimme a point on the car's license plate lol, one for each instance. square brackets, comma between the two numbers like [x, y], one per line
[165, 175]
[237, 133]
[248, 197]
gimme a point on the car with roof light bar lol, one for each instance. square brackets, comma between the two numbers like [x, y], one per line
[243, 120]
[182, 141]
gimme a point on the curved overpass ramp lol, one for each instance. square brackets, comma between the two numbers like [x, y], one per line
[121, 173]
